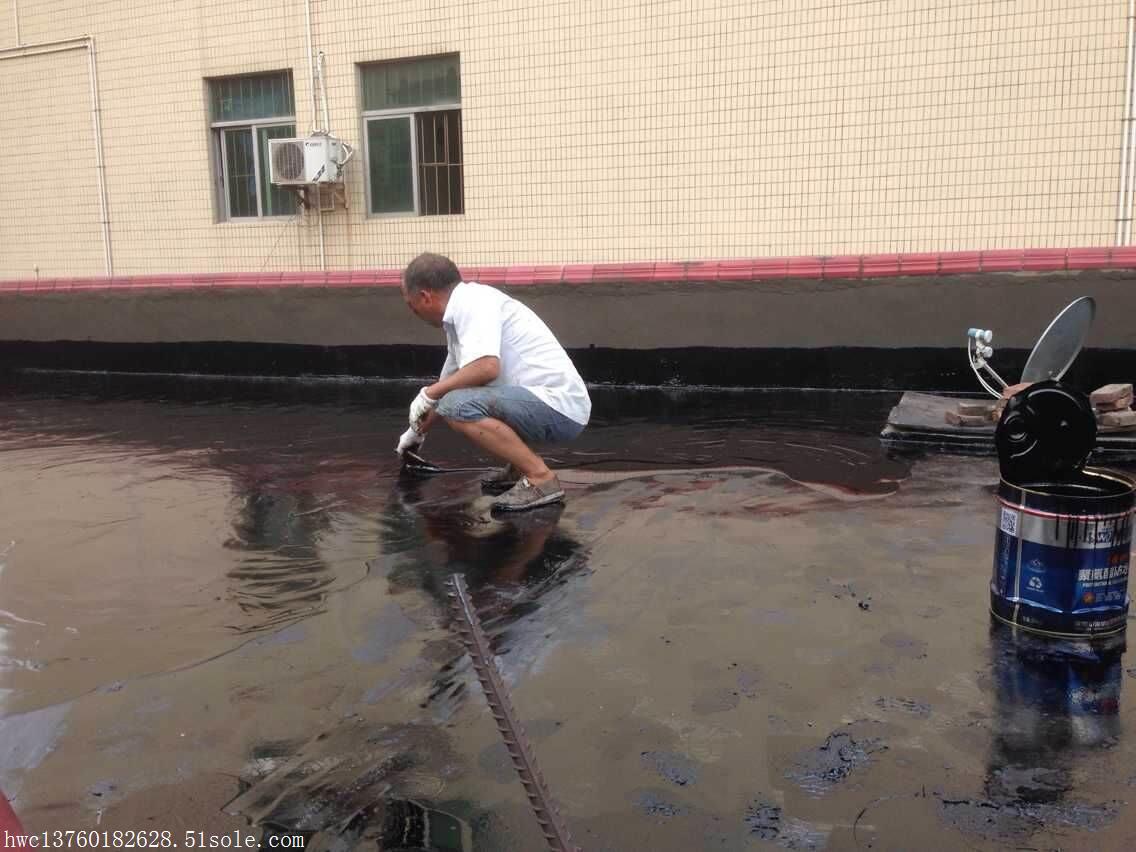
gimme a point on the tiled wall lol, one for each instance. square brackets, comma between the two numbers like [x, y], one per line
[594, 130]
[49, 202]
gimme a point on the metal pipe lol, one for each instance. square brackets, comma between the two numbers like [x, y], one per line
[319, 215]
[315, 120]
[323, 92]
[326, 128]
[1124, 194]
[311, 61]
[1131, 165]
[84, 42]
[97, 126]
[58, 44]
[16, 15]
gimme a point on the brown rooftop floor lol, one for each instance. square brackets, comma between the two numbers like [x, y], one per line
[223, 610]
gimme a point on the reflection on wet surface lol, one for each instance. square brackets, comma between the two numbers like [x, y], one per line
[350, 785]
[222, 606]
[1056, 703]
[282, 577]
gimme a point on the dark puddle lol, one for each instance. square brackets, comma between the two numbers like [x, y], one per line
[905, 705]
[334, 790]
[358, 784]
[679, 770]
[1054, 728]
[309, 468]
[1056, 703]
[654, 803]
[512, 565]
[258, 427]
[818, 770]
[281, 577]
[495, 762]
[767, 821]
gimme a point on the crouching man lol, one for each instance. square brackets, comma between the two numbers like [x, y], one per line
[507, 382]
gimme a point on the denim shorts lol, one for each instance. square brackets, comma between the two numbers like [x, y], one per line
[531, 418]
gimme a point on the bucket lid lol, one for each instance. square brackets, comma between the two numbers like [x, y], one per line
[1046, 432]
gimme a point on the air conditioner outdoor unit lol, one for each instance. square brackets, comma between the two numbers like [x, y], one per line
[302, 162]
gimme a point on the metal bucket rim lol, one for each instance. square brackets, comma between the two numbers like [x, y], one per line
[1041, 513]
[1053, 634]
[1122, 479]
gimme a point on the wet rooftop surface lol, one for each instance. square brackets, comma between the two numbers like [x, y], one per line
[750, 627]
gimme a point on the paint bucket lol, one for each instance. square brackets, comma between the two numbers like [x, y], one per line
[1061, 554]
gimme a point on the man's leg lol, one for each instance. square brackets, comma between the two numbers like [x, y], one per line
[498, 439]
[503, 421]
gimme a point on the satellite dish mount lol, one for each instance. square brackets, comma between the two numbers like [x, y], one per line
[1053, 354]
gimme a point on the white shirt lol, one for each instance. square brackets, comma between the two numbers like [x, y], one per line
[480, 321]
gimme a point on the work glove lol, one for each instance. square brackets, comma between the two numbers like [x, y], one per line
[410, 439]
[421, 406]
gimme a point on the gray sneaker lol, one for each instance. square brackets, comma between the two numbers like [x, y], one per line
[501, 480]
[525, 495]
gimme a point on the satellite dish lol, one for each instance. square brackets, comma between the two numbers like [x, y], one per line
[1060, 344]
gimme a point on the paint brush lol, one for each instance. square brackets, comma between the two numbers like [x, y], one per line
[414, 465]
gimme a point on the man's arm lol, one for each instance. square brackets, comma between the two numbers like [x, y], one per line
[475, 374]
[450, 367]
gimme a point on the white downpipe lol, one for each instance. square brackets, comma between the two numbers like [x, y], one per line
[55, 46]
[326, 128]
[315, 117]
[1128, 138]
[97, 125]
[87, 43]
[1131, 164]
[311, 62]
[16, 15]
[319, 216]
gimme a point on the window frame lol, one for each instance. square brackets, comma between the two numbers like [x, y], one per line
[409, 114]
[218, 129]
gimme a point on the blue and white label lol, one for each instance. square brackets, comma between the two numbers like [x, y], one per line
[1064, 588]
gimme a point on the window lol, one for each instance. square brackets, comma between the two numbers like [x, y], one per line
[413, 136]
[246, 112]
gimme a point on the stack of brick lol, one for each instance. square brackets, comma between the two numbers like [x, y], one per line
[997, 409]
[1113, 405]
[1000, 405]
[970, 412]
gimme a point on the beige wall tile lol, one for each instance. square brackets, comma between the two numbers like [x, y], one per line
[593, 130]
